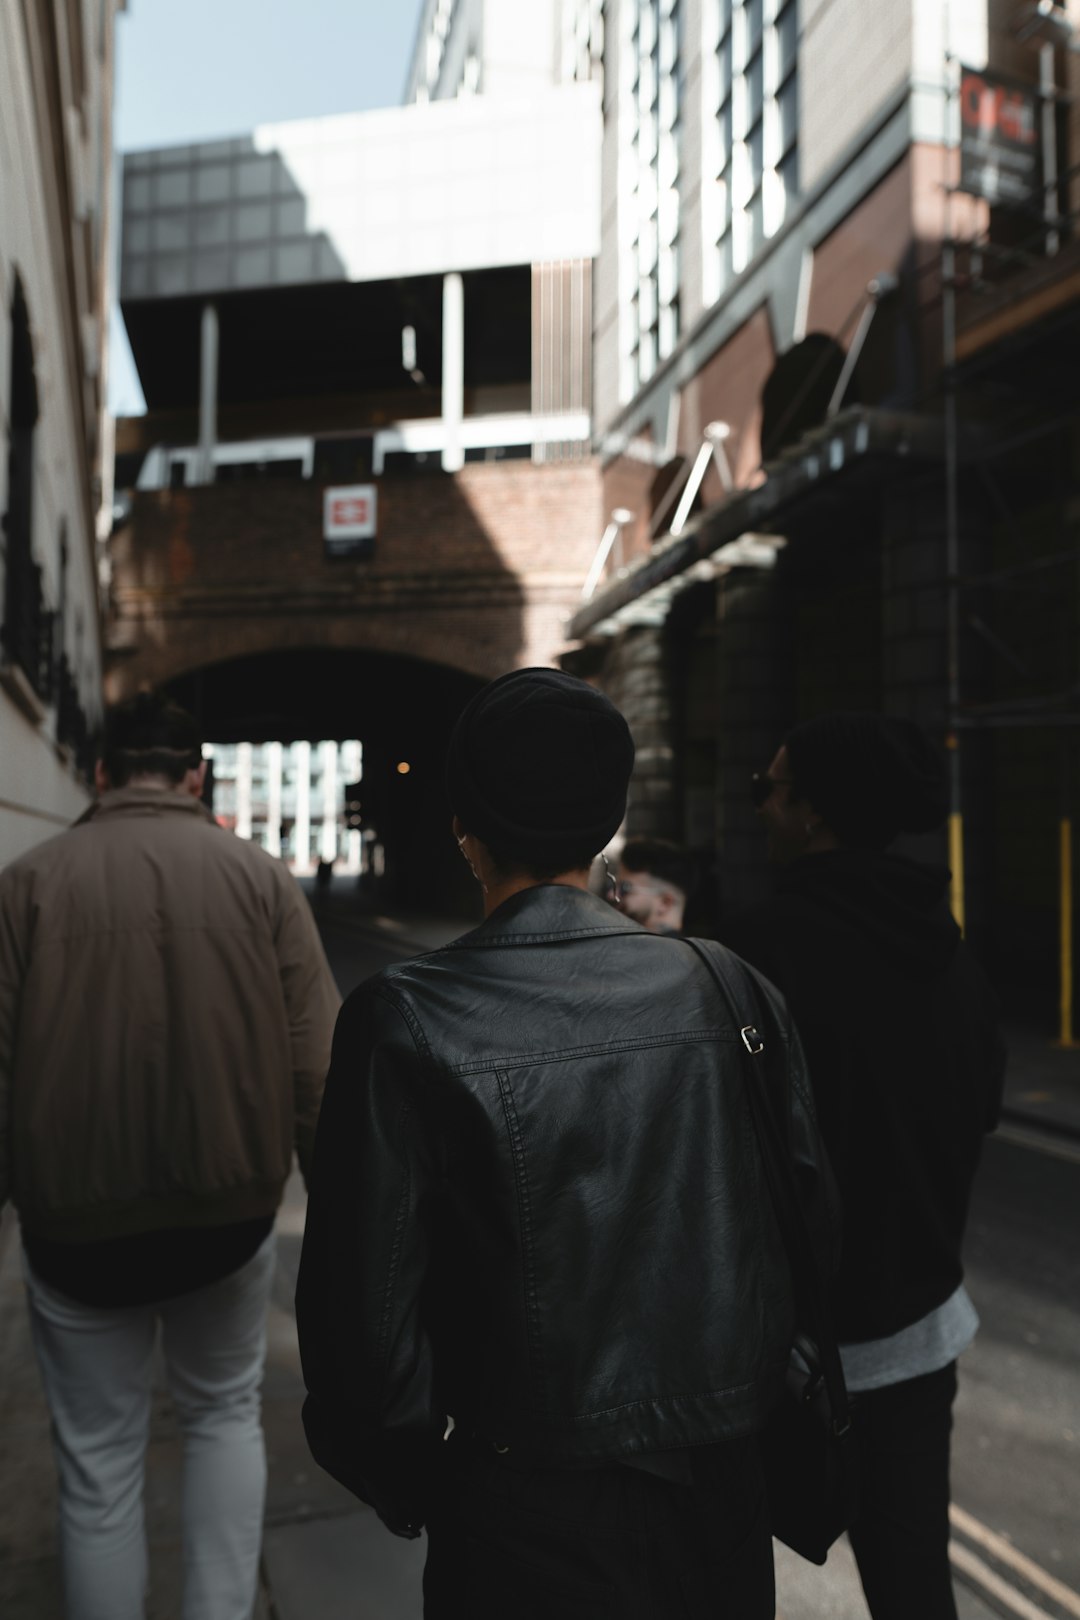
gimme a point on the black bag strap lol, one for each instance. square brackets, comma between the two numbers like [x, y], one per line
[810, 1286]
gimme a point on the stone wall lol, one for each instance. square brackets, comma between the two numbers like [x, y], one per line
[636, 677]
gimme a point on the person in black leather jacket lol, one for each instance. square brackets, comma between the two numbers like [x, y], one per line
[543, 1302]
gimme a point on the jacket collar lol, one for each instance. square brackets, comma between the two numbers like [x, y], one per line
[545, 912]
[143, 801]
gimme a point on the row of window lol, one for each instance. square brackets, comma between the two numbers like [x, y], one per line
[652, 94]
[750, 149]
[582, 41]
[749, 158]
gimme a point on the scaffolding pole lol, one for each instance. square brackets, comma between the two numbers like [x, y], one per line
[952, 524]
[1066, 1037]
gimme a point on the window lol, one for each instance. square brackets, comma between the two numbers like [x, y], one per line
[582, 40]
[27, 630]
[750, 131]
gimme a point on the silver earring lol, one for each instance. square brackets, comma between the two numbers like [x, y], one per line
[613, 888]
[465, 857]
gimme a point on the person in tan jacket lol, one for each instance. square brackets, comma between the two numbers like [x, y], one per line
[166, 1012]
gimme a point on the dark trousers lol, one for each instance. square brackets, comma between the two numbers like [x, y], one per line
[609, 1543]
[901, 1539]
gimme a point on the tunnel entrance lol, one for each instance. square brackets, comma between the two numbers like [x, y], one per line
[400, 710]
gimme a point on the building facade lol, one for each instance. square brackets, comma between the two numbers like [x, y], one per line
[832, 424]
[291, 799]
[386, 314]
[56, 81]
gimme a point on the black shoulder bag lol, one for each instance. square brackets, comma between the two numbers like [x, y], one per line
[808, 1445]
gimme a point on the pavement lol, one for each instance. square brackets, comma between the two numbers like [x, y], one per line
[324, 1554]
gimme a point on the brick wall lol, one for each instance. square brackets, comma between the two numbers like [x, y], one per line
[477, 571]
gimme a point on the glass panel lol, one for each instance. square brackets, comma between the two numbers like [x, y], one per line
[669, 45]
[787, 35]
[170, 277]
[648, 305]
[724, 60]
[755, 146]
[291, 217]
[726, 133]
[755, 87]
[171, 233]
[669, 330]
[787, 103]
[755, 22]
[647, 355]
[212, 182]
[788, 175]
[173, 188]
[211, 226]
[255, 177]
[253, 222]
[756, 217]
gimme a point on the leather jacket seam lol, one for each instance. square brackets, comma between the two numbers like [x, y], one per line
[401, 1219]
[408, 1015]
[724, 1392]
[482, 941]
[560, 1054]
[401, 1214]
[521, 1182]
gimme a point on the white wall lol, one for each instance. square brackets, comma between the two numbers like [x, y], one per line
[519, 52]
[453, 185]
[854, 55]
[38, 790]
[39, 797]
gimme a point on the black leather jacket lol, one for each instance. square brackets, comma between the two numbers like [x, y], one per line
[537, 1204]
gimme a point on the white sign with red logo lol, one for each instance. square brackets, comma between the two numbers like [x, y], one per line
[349, 514]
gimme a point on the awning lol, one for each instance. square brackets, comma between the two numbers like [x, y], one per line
[847, 451]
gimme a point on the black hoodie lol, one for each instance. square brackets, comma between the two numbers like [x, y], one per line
[901, 1038]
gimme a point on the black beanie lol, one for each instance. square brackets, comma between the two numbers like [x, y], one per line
[538, 767]
[869, 776]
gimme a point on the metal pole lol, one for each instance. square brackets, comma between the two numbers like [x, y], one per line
[1048, 92]
[453, 371]
[1066, 1037]
[208, 392]
[952, 530]
[1066, 1030]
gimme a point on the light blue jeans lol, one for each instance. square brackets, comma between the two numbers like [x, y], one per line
[96, 1365]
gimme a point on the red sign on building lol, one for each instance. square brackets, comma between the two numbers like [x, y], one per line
[999, 139]
[349, 520]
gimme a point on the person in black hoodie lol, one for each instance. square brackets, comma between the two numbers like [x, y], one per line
[901, 1037]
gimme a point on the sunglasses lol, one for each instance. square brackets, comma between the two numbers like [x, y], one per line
[762, 787]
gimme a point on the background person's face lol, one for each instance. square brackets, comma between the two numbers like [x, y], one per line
[784, 815]
[641, 897]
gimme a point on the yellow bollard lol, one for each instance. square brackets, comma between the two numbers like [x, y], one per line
[956, 865]
[1065, 1038]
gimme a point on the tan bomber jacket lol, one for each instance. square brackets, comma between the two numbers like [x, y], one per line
[166, 1013]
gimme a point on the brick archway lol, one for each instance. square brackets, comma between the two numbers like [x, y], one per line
[476, 572]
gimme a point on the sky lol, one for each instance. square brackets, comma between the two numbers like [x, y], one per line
[196, 70]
